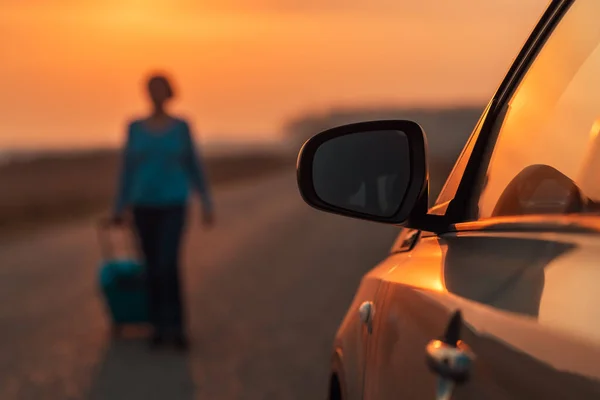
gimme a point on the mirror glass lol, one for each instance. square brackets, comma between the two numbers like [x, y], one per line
[366, 172]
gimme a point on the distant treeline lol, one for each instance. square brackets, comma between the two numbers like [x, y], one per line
[450, 126]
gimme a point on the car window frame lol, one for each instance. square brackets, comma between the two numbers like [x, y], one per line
[454, 178]
[459, 207]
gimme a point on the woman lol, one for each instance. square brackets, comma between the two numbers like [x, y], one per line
[160, 163]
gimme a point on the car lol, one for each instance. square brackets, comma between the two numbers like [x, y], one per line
[494, 291]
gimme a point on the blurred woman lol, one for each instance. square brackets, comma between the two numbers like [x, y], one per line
[160, 165]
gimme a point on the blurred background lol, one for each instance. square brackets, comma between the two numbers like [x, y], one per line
[268, 286]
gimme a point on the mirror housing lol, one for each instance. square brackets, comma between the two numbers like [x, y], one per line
[375, 171]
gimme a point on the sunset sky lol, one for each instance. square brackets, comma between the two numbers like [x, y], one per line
[71, 71]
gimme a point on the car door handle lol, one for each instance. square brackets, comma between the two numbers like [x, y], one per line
[451, 362]
[450, 358]
[365, 312]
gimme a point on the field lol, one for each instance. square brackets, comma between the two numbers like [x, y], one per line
[56, 188]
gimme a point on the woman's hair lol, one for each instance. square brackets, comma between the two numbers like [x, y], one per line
[163, 80]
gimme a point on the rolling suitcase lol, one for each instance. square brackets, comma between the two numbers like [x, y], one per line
[122, 283]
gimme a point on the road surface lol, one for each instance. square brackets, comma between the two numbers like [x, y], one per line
[266, 288]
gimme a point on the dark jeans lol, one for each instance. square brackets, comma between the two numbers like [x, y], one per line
[160, 231]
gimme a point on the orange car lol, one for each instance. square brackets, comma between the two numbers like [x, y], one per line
[494, 292]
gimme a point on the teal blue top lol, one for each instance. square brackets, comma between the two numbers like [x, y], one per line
[160, 168]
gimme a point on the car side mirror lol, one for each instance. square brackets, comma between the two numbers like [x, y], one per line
[369, 170]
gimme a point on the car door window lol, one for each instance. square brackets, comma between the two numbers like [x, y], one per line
[546, 159]
[451, 185]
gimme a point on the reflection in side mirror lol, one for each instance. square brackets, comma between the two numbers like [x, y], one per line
[371, 170]
[366, 172]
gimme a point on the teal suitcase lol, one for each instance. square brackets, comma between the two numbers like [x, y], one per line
[123, 285]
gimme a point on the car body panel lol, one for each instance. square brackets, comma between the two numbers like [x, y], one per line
[527, 302]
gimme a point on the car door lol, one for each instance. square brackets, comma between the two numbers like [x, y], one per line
[517, 259]
[507, 286]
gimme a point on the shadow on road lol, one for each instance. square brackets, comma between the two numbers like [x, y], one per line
[130, 370]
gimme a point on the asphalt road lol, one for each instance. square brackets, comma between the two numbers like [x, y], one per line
[266, 290]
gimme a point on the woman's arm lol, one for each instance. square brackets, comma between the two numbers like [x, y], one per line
[196, 170]
[122, 197]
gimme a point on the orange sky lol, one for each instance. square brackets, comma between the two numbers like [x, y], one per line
[71, 70]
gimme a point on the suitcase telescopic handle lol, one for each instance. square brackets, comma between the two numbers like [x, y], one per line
[107, 249]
